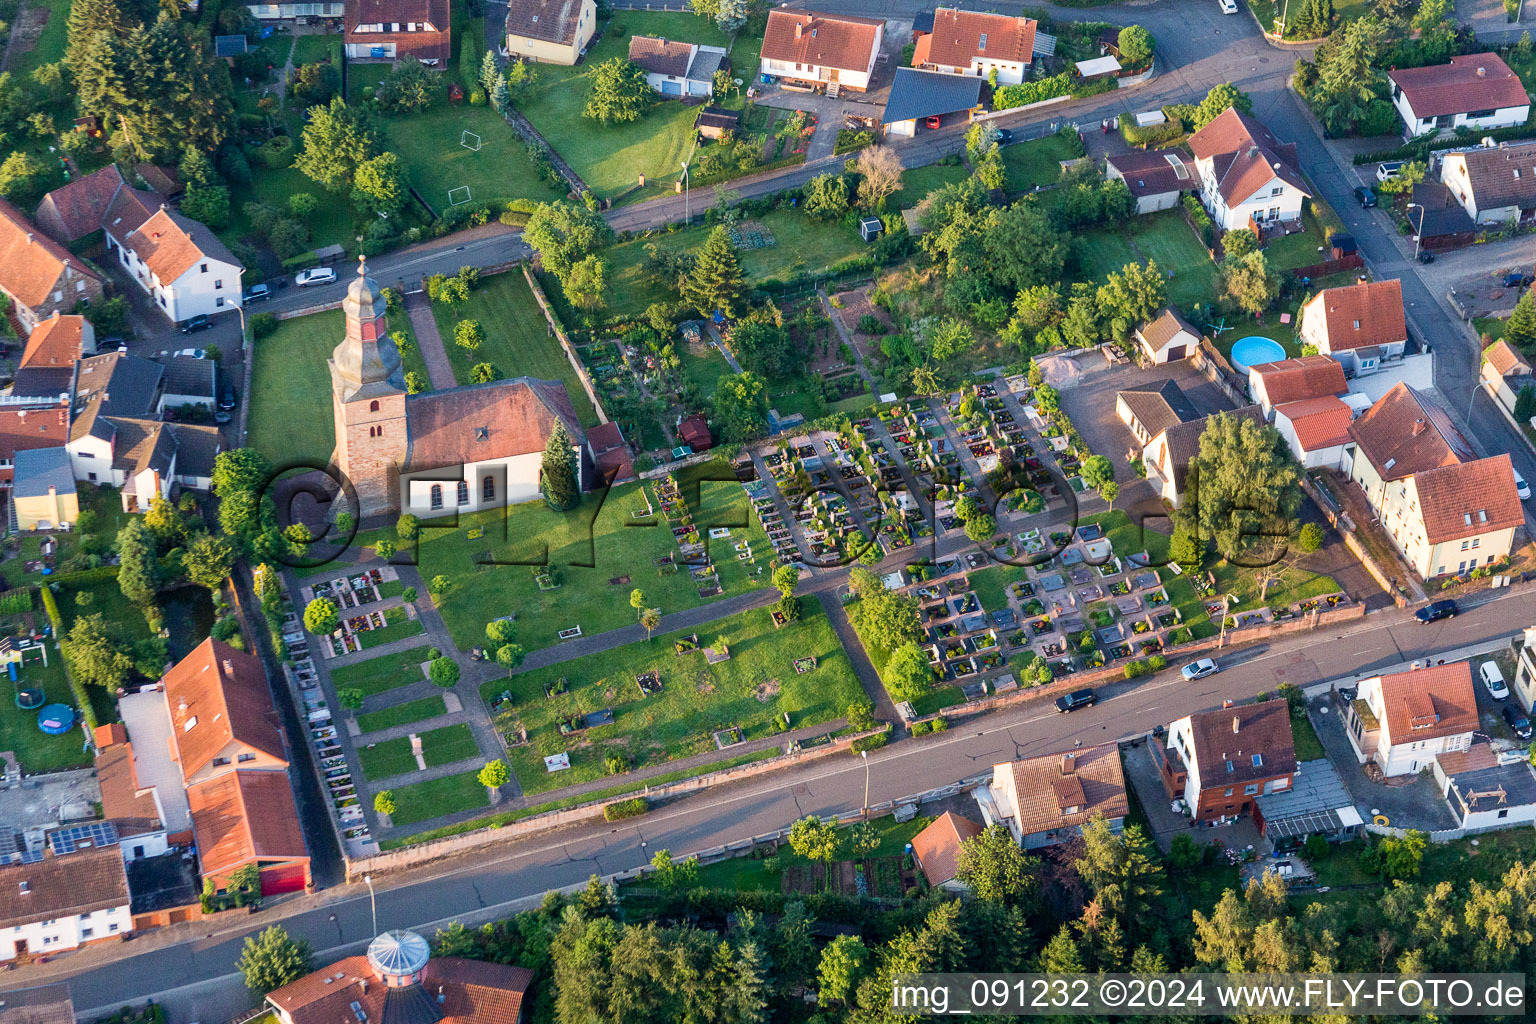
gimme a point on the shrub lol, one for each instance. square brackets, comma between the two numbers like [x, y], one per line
[631, 808]
[1026, 93]
[1157, 663]
[444, 672]
[263, 325]
[1135, 668]
[874, 742]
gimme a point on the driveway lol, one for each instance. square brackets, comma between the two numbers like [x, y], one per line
[1407, 801]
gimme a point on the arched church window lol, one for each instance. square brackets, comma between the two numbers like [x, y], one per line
[373, 406]
[437, 496]
[488, 489]
[463, 492]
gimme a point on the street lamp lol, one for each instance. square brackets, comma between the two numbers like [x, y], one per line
[372, 904]
[865, 755]
[1418, 237]
[687, 220]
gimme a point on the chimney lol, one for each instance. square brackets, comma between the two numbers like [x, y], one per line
[1237, 724]
[1418, 427]
[799, 31]
[1068, 763]
[362, 984]
[1482, 72]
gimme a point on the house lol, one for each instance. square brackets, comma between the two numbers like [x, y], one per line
[1446, 510]
[1156, 178]
[937, 849]
[1316, 804]
[43, 492]
[189, 380]
[46, 372]
[610, 452]
[693, 431]
[1168, 338]
[180, 264]
[1505, 373]
[1475, 91]
[675, 69]
[1484, 794]
[716, 122]
[1361, 325]
[161, 179]
[1151, 409]
[830, 52]
[1404, 720]
[24, 428]
[400, 980]
[391, 29]
[39, 275]
[62, 902]
[73, 211]
[288, 11]
[919, 95]
[1045, 801]
[1523, 686]
[235, 768]
[1437, 218]
[1218, 762]
[1494, 185]
[471, 447]
[1247, 176]
[43, 1004]
[550, 31]
[977, 44]
[1316, 429]
[133, 809]
[1295, 380]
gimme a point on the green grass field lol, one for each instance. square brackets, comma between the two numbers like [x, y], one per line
[448, 795]
[449, 744]
[756, 685]
[35, 749]
[50, 42]
[1036, 162]
[290, 414]
[387, 759]
[383, 673]
[401, 714]
[917, 182]
[1163, 237]
[438, 747]
[431, 146]
[333, 223]
[518, 342]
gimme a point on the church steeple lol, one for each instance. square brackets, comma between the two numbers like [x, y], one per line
[368, 399]
[367, 362]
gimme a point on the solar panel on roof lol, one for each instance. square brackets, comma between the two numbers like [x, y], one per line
[90, 836]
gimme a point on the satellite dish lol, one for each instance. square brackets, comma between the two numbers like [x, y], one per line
[737, 81]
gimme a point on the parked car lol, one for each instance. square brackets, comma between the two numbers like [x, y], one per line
[1366, 197]
[191, 353]
[1389, 170]
[201, 322]
[1425, 256]
[1199, 669]
[106, 345]
[1521, 487]
[1517, 279]
[221, 418]
[227, 397]
[314, 275]
[257, 293]
[1517, 720]
[1004, 136]
[933, 120]
[1437, 610]
[1228, 6]
[1076, 699]
[1493, 680]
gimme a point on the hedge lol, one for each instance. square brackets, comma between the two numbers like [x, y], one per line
[631, 808]
[1160, 135]
[1420, 148]
[82, 699]
[1025, 93]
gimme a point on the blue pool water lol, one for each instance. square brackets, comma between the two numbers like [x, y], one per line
[1251, 351]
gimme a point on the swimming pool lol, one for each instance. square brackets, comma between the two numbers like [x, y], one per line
[1253, 350]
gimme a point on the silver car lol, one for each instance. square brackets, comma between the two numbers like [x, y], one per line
[1199, 669]
[314, 275]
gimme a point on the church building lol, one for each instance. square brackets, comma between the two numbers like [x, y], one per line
[443, 452]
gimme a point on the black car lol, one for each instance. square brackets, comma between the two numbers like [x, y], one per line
[227, 397]
[201, 322]
[1366, 197]
[1437, 610]
[1004, 136]
[1076, 699]
[257, 293]
[1516, 720]
[1425, 256]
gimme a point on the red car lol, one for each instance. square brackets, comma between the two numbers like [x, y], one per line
[934, 121]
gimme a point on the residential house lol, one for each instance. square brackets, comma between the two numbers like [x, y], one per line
[1445, 509]
[1157, 178]
[46, 372]
[920, 95]
[1153, 408]
[289, 11]
[1218, 762]
[973, 43]
[23, 428]
[550, 31]
[1046, 800]
[73, 211]
[1317, 803]
[1404, 720]
[62, 902]
[133, 808]
[678, 70]
[235, 768]
[1295, 380]
[42, 1004]
[1494, 185]
[1168, 338]
[1247, 176]
[1361, 325]
[180, 264]
[1437, 218]
[1316, 429]
[937, 849]
[394, 29]
[1169, 430]
[43, 492]
[189, 381]
[1523, 686]
[1475, 91]
[39, 275]
[400, 980]
[1484, 794]
[830, 52]
[1505, 373]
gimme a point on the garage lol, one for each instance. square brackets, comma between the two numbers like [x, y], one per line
[671, 88]
[921, 95]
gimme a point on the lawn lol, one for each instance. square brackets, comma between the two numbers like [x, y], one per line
[50, 42]
[387, 759]
[382, 674]
[107, 505]
[308, 49]
[35, 749]
[1299, 249]
[401, 714]
[449, 744]
[1268, 11]
[433, 799]
[1295, 584]
[1036, 162]
[517, 338]
[494, 574]
[438, 747]
[332, 224]
[398, 626]
[290, 417]
[748, 874]
[1304, 737]
[991, 585]
[1164, 237]
[752, 691]
[917, 182]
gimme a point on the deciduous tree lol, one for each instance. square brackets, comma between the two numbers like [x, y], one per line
[272, 959]
[879, 169]
[739, 410]
[994, 867]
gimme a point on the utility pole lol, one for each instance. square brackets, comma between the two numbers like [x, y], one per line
[372, 904]
[865, 755]
[687, 219]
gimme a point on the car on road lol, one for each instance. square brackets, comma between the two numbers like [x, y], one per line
[257, 293]
[201, 322]
[1493, 680]
[227, 397]
[1228, 6]
[1425, 256]
[314, 275]
[1517, 720]
[221, 418]
[1437, 610]
[1389, 170]
[1522, 488]
[1365, 197]
[1199, 669]
[191, 353]
[1004, 136]
[1076, 699]
[112, 345]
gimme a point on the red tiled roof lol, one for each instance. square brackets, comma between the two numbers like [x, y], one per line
[1428, 703]
[937, 847]
[218, 696]
[82, 882]
[434, 45]
[1468, 499]
[554, 21]
[611, 453]
[1504, 358]
[660, 56]
[31, 263]
[77, 209]
[694, 432]
[1474, 759]
[1319, 422]
[1153, 172]
[121, 796]
[242, 816]
[1405, 433]
[1471, 81]
[823, 40]
[476, 422]
[56, 341]
[1359, 315]
[170, 245]
[130, 208]
[25, 429]
[1245, 156]
[1293, 380]
[957, 36]
[1165, 328]
[1234, 735]
[1047, 789]
[474, 992]
[109, 735]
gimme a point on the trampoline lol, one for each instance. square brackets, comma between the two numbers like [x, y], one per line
[30, 698]
[56, 719]
[1255, 349]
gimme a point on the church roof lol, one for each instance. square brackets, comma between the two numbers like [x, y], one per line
[477, 422]
[366, 363]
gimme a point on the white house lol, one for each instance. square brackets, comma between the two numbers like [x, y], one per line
[830, 52]
[1316, 429]
[1045, 801]
[1495, 185]
[1168, 338]
[1403, 721]
[180, 264]
[63, 902]
[676, 69]
[1246, 174]
[1295, 380]
[1156, 178]
[973, 43]
[1475, 90]
[1484, 794]
[1360, 325]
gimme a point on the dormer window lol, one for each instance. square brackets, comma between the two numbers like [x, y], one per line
[1357, 325]
[982, 43]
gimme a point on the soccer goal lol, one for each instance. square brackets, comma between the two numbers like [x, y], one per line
[459, 196]
[469, 140]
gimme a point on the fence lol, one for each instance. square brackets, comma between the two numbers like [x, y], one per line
[1219, 372]
[1444, 835]
[570, 351]
[1354, 261]
[1346, 527]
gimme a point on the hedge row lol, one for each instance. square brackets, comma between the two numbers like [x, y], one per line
[1009, 96]
[631, 808]
[1420, 148]
[82, 699]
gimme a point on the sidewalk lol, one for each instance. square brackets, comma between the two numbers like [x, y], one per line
[429, 341]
